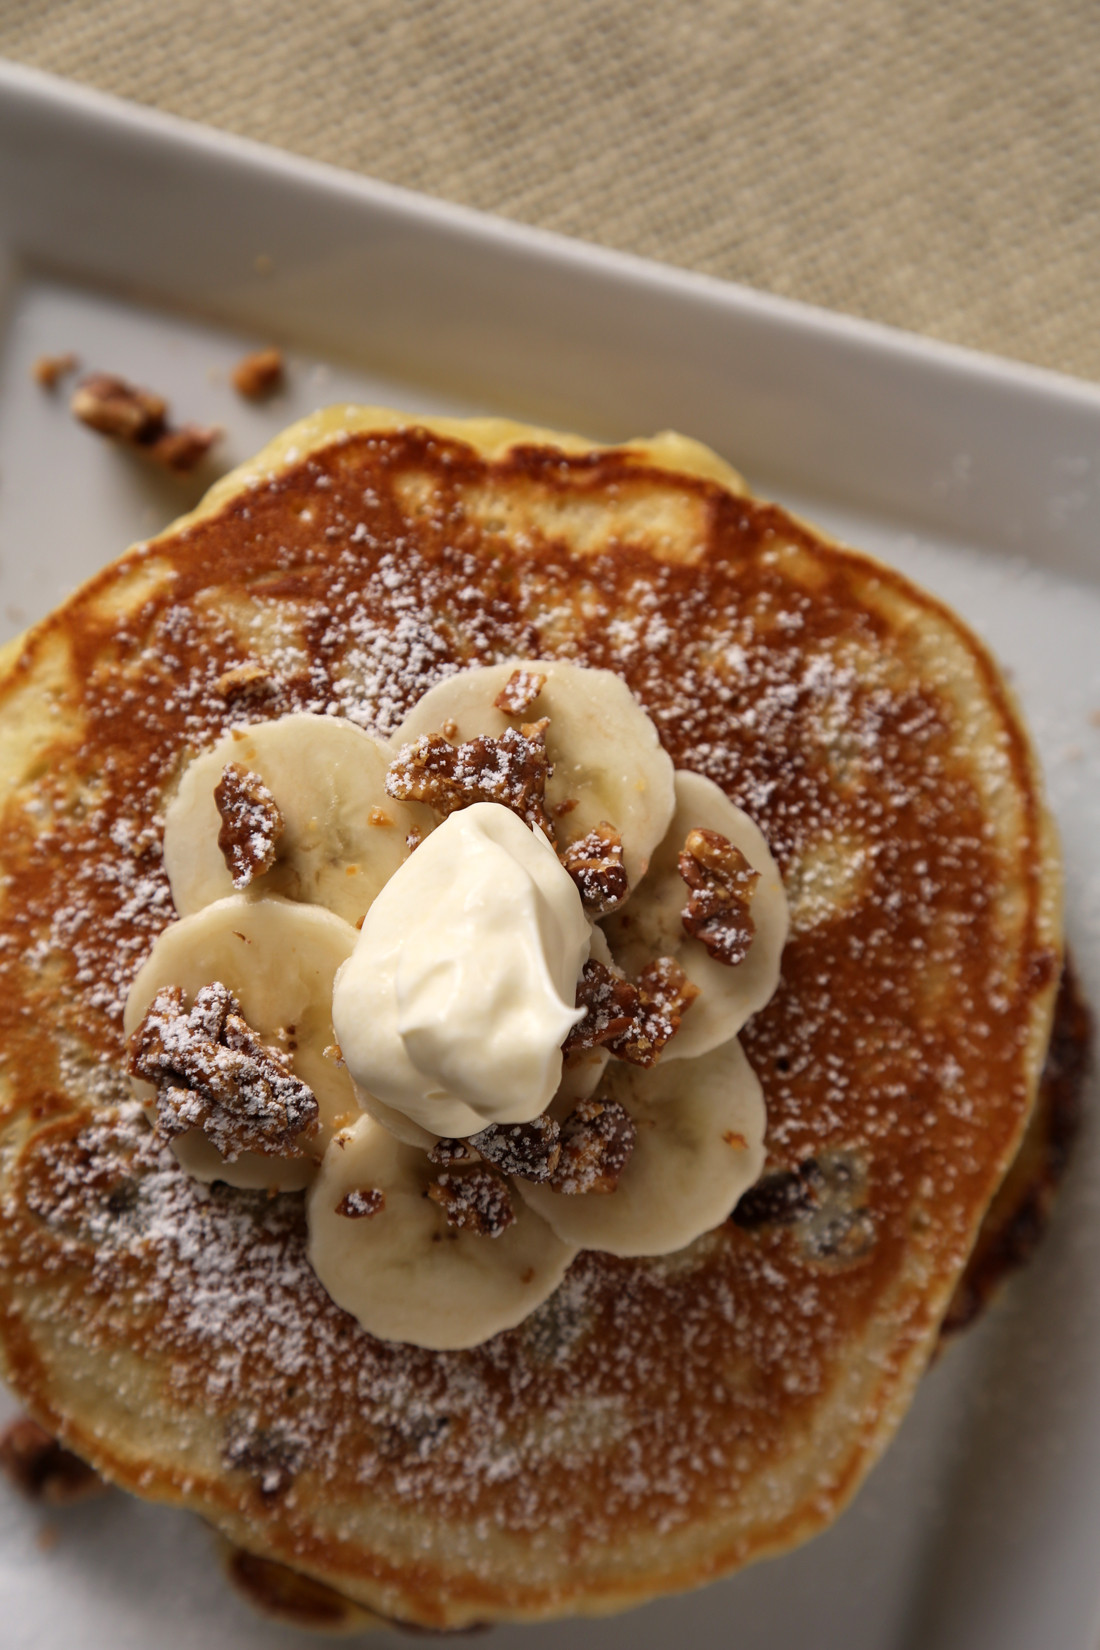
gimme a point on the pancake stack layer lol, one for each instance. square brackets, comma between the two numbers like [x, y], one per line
[657, 1422]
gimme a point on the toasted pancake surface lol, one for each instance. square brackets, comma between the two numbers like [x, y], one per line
[657, 1422]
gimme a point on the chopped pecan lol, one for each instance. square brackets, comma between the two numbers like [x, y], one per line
[595, 862]
[474, 1200]
[633, 1022]
[259, 375]
[48, 370]
[251, 823]
[530, 1150]
[362, 1203]
[664, 983]
[242, 681]
[212, 1073]
[721, 883]
[512, 770]
[519, 692]
[118, 409]
[43, 1469]
[182, 449]
[609, 1004]
[139, 418]
[597, 1140]
[450, 1150]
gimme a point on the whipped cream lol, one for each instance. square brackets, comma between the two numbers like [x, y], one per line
[456, 1000]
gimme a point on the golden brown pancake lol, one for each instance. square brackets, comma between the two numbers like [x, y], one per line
[657, 1422]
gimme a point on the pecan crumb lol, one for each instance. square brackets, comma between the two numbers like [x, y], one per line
[362, 1203]
[43, 1469]
[48, 370]
[595, 862]
[251, 823]
[449, 1150]
[212, 1073]
[138, 418]
[722, 884]
[512, 770]
[378, 817]
[597, 1140]
[474, 1200]
[530, 1150]
[519, 692]
[242, 680]
[259, 375]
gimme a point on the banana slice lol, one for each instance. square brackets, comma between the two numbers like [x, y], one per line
[278, 959]
[403, 1271]
[342, 836]
[699, 1146]
[649, 925]
[607, 758]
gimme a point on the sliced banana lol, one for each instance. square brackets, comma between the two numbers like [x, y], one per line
[607, 758]
[278, 959]
[404, 1272]
[649, 924]
[699, 1146]
[342, 836]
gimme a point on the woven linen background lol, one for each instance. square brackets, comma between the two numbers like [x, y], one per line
[932, 165]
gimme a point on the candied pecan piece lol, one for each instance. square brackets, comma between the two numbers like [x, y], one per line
[258, 375]
[43, 1469]
[664, 983]
[633, 1022]
[519, 692]
[530, 1150]
[139, 418]
[362, 1203]
[184, 448]
[212, 1073]
[595, 862]
[242, 681]
[474, 1200]
[512, 770]
[721, 883]
[48, 370]
[252, 823]
[117, 409]
[450, 1150]
[609, 1004]
[597, 1140]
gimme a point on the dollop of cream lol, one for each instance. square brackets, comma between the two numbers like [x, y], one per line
[456, 1000]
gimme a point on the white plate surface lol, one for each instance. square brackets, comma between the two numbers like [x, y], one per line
[161, 251]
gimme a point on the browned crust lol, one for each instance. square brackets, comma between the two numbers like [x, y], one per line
[1020, 1213]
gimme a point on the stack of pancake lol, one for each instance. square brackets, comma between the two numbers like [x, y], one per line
[658, 1422]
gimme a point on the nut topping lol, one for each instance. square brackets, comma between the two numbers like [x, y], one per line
[597, 1140]
[212, 1073]
[138, 418]
[595, 862]
[258, 375]
[633, 1022]
[449, 1150]
[49, 370]
[512, 770]
[251, 823]
[722, 884]
[362, 1203]
[474, 1200]
[43, 1469]
[530, 1150]
[519, 692]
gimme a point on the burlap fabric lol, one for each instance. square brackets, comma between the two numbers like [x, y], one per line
[936, 166]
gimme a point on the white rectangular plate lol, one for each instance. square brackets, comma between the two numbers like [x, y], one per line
[162, 251]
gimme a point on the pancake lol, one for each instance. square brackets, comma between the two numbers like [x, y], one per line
[657, 1422]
